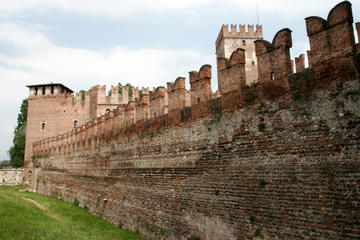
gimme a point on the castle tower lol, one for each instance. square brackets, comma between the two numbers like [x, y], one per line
[228, 41]
[52, 110]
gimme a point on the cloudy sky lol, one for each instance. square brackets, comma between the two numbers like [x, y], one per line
[82, 43]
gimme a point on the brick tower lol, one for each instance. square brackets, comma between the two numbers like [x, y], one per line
[228, 41]
[52, 110]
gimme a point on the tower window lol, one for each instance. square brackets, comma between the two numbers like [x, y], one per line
[36, 91]
[253, 63]
[43, 126]
[243, 42]
[75, 124]
[107, 111]
[272, 76]
[43, 90]
[52, 89]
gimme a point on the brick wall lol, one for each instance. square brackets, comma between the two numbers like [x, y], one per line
[278, 159]
[11, 176]
[289, 168]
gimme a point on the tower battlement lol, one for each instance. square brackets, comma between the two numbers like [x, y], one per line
[239, 37]
[239, 31]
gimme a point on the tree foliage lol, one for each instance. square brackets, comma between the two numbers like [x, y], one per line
[17, 151]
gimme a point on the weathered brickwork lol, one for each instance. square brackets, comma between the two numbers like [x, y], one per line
[279, 159]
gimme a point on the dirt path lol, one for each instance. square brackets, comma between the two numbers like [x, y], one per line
[47, 212]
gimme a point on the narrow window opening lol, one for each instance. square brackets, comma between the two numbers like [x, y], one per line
[272, 76]
[75, 124]
[62, 90]
[107, 111]
[253, 63]
[42, 126]
[52, 89]
[43, 90]
[36, 90]
[198, 100]
[244, 43]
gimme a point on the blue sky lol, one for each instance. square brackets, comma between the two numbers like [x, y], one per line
[147, 43]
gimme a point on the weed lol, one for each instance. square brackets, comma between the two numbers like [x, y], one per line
[150, 228]
[261, 127]
[37, 156]
[194, 238]
[252, 219]
[258, 233]
[348, 113]
[76, 202]
[209, 129]
[352, 93]
[294, 180]
[262, 183]
[296, 97]
[262, 109]
[162, 231]
[137, 231]
[43, 181]
[120, 225]
[142, 135]
[86, 208]
[352, 73]
[151, 133]
[305, 114]
[217, 192]
[124, 198]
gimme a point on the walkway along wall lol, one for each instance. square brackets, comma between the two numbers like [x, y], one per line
[279, 159]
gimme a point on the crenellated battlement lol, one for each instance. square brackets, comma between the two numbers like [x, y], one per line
[239, 31]
[231, 72]
[333, 60]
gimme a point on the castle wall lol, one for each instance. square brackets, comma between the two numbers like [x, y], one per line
[278, 159]
[221, 177]
[11, 177]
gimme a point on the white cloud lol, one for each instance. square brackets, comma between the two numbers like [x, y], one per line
[42, 61]
[120, 9]
[286, 7]
[109, 8]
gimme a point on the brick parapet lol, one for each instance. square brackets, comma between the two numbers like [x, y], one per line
[275, 75]
[231, 72]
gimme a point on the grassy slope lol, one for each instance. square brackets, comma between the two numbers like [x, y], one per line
[20, 219]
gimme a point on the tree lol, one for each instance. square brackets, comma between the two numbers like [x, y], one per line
[18, 149]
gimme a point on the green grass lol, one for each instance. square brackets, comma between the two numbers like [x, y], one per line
[20, 219]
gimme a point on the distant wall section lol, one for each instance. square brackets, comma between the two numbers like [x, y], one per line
[11, 176]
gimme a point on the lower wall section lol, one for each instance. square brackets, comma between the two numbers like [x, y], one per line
[11, 176]
[284, 170]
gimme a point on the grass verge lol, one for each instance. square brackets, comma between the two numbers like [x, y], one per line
[22, 219]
